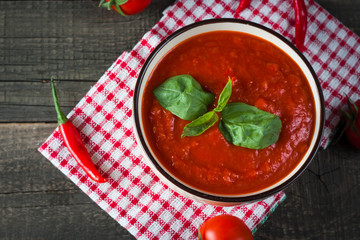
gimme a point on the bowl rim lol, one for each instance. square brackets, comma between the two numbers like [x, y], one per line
[204, 195]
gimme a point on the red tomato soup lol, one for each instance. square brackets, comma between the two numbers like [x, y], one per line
[263, 76]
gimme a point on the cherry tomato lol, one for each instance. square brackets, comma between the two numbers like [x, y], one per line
[125, 7]
[225, 227]
[132, 7]
[352, 131]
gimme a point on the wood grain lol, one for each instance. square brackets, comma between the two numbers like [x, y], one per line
[34, 99]
[77, 42]
[73, 40]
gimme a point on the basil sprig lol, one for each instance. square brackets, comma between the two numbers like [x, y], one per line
[241, 124]
[204, 122]
[183, 96]
[247, 126]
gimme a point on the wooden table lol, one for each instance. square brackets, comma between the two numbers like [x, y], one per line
[77, 42]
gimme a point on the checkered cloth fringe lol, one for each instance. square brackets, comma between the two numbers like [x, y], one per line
[134, 196]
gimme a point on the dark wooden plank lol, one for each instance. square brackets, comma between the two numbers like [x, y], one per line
[71, 39]
[77, 221]
[39, 202]
[22, 167]
[33, 99]
[74, 40]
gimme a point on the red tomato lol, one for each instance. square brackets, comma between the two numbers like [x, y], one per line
[130, 7]
[352, 131]
[225, 227]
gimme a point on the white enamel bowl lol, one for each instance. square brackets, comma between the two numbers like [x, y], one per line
[227, 25]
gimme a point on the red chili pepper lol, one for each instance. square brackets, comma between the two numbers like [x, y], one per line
[300, 23]
[74, 142]
[300, 20]
[243, 4]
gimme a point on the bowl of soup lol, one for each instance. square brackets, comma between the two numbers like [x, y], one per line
[268, 76]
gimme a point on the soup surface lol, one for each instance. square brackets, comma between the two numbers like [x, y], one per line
[263, 76]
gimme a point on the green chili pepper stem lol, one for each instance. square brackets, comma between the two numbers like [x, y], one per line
[199, 234]
[60, 116]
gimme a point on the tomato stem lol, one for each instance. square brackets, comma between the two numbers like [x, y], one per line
[115, 4]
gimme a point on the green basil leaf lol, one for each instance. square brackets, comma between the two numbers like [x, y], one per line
[183, 96]
[224, 96]
[247, 126]
[200, 125]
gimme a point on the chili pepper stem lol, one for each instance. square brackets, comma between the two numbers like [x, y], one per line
[60, 116]
[199, 233]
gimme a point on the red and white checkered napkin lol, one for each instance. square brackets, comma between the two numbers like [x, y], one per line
[134, 196]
